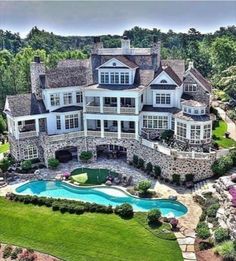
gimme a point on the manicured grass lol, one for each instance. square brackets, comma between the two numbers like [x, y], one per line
[4, 148]
[94, 176]
[82, 237]
[219, 129]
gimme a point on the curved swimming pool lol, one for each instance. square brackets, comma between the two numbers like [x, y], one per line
[100, 195]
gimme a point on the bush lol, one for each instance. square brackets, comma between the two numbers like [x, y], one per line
[212, 210]
[149, 167]
[226, 250]
[176, 179]
[233, 156]
[140, 164]
[7, 251]
[154, 215]
[204, 245]
[5, 164]
[135, 160]
[15, 252]
[86, 156]
[222, 165]
[144, 186]
[26, 165]
[203, 216]
[189, 177]
[125, 210]
[53, 163]
[157, 171]
[221, 234]
[202, 230]
[167, 135]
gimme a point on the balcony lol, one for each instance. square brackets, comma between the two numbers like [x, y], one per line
[127, 110]
[27, 134]
[62, 137]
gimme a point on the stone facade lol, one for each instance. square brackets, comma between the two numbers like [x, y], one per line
[170, 164]
[36, 69]
[200, 95]
[227, 213]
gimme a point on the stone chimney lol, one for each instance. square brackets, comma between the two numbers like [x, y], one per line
[97, 44]
[37, 68]
[125, 45]
[156, 52]
[190, 65]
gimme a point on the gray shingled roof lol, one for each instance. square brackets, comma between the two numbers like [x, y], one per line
[124, 60]
[177, 66]
[24, 105]
[163, 86]
[69, 108]
[201, 79]
[184, 116]
[170, 72]
[192, 103]
[150, 108]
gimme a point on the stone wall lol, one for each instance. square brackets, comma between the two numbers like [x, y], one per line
[170, 164]
[227, 213]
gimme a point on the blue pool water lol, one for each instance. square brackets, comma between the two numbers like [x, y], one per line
[100, 195]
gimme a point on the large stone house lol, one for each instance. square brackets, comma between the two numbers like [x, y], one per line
[118, 99]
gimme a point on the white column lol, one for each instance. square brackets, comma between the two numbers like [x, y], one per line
[101, 104]
[136, 106]
[37, 126]
[16, 132]
[119, 129]
[102, 128]
[118, 104]
[136, 130]
[84, 102]
[85, 127]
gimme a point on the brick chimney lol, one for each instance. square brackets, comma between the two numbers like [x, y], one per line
[37, 68]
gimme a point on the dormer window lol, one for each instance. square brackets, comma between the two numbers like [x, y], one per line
[163, 81]
[114, 78]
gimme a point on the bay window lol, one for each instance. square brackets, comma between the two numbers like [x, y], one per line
[71, 121]
[181, 131]
[195, 134]
[155, 122]
[207, 132]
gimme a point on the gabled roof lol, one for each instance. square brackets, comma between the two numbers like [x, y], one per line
[124, 60]
[169, 71]
[200, 78]
[178, 66]
[24, 105]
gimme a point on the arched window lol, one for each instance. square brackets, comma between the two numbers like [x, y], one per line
[163, 81]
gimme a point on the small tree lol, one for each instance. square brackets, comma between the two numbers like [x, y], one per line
[53, 163]
[149, 167]
[176, 179]
[135, 160]
[154, 215]
[3, 125]
[141, 163]
[157, 171]
[86, 155]
[167, 135]
[124, 210]
[26, 165]
[144, 186]
[5, 164]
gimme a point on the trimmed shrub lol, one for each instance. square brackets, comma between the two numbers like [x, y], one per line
[226, 250]
[157, 171]
[135, 160]
[153, 215]
[203, 216]
[149, 167]
[26, 165]
[202, 230]
[144, 186]
[222, 165]
[221, 235]
[53, 163]
[167, 135]
[204, 245]
[86, 156]
[212, 210]
[233, 156]
[125, 210]
[189, 177]
[176, 179]
[7, 251]
[141, 163]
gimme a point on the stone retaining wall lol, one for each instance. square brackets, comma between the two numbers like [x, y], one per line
[227, 215]
[200, 168]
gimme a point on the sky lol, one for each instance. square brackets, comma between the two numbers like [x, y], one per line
[113, 17]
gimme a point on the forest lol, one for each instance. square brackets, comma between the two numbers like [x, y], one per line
[214, 54]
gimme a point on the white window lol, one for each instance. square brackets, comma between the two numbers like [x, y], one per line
[67, 98]
[117, 78]
[104, 77]
[190, 87]
[207, 132]
[55, 99]
[30, 152]
[155, 122]
[162, 98]
[79, 97]
[195, 134]
[114, 77]
[58, 122]
[71, 121]
[181, 131]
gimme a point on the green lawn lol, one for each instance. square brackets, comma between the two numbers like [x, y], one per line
[219, 129]
[94, 176]
[4, 148]
[82, 237]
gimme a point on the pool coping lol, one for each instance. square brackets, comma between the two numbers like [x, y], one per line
[100, 186]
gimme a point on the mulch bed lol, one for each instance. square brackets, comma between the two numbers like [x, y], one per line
[205, 255]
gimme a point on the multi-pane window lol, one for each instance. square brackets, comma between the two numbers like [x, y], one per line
[190, 87]
[155, 122]
[114, 77]
[30, 152]
[71, 121]
[117, 78]
[67, 98]
[55, 99]
[104, 77]
[207, 132]
[173, 123]
[58, 122]
[162, 98]
[181, 131]
[79, 97]
[195, 134]
[131, 124]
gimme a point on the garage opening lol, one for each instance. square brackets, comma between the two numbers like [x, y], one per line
[66, 154]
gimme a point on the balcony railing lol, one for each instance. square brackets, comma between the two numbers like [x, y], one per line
[127, 110]
[27, 134]
[61, 137]
[94, 133]
[109, 109]
[127, 135]
[110, 134]
[92, 109]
